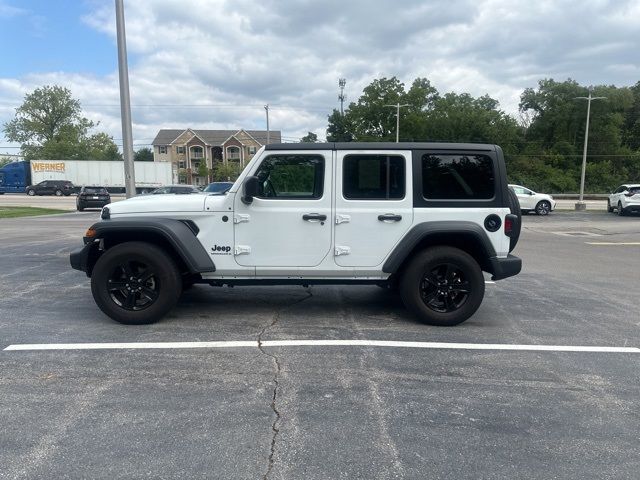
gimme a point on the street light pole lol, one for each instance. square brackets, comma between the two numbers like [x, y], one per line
[581, 205]
[397, 106]
[266, 109]
[125, 103]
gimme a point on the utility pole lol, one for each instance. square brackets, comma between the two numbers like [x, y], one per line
[581, 205]
[125, 103]
[397, 106]
[341, 83]
[266, 109]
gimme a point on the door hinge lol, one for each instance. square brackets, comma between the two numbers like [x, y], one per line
[341, 218]
[242, 250]
[241, 218]
[342, 250]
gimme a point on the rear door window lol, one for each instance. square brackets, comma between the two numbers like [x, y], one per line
[373, 177]
[457, 177]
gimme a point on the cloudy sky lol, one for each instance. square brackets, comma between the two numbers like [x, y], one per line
[215, 63]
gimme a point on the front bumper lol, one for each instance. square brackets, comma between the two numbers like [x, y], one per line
[84, 258]
[505, 267]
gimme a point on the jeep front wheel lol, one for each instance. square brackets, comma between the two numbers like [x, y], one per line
[442, 286]
[135, 283]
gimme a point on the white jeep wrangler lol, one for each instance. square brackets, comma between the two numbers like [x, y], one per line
[425, 218]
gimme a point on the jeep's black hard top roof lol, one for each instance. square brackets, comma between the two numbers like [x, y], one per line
[381, 146]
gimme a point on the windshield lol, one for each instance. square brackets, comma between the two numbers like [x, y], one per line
[218, 187]
[95, 190]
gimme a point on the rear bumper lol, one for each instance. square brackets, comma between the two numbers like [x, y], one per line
[505, 267]
[631, 207]
[92, 202]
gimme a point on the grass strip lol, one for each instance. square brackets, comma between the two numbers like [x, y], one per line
[15, 212]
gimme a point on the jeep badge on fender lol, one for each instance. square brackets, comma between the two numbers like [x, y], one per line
[425, 219]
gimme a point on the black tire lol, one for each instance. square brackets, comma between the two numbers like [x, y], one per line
[156, 283]
[514, 206]
[543, 208]
[442, 286]
[80, 208]
[609, 207]
[31, 192]
[58, 193]
[621, 211]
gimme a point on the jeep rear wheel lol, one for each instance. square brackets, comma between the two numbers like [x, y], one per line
[135, 283]
[442, 286]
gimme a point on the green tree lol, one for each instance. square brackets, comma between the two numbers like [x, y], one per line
[99, 146]
[4, 161]
[49, 125]
[145, 154]
[48, 116]
[226, 172]
[202, 170]
[339, 128]
[309, 138]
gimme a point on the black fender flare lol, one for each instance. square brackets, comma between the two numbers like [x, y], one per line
[179, 234]
[432, 230]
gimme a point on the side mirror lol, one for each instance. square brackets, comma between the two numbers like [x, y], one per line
[531, 192]
[249, 189]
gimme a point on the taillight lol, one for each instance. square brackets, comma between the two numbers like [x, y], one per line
[508, 226]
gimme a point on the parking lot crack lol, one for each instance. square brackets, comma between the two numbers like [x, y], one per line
[275, 426]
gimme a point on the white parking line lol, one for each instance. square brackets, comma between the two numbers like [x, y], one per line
[609, 244]
[321, 343]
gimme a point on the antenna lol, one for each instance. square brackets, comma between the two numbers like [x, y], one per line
[341, 83]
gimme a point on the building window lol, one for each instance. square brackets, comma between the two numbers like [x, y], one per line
[181, 150]
[233, 153]
[162, 149]
[182, 164]
[197, 152]
[251, 150]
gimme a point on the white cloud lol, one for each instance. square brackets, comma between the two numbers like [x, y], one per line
[290, 54]
[9, 11]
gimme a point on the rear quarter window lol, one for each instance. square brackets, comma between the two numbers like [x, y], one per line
[457, 176]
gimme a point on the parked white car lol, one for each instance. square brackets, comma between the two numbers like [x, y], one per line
[625, 199]
[530, 201]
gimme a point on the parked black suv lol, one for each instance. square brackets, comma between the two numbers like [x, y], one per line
[92, 197]
[51, 187]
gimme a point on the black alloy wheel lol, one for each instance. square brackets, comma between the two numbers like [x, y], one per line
[31, 192]
[444, 289]
[442, 286]
[543, 208]
[58, 193]
[136, 283]
[133, 285]
[620, 209]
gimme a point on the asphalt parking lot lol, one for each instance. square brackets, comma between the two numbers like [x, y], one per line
[362, 410]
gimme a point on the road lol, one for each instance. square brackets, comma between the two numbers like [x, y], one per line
[320, 412]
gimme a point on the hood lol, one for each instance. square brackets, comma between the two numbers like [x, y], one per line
[159, 203]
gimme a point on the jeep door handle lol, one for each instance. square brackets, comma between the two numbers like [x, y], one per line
[314, 217]
[389, 217]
